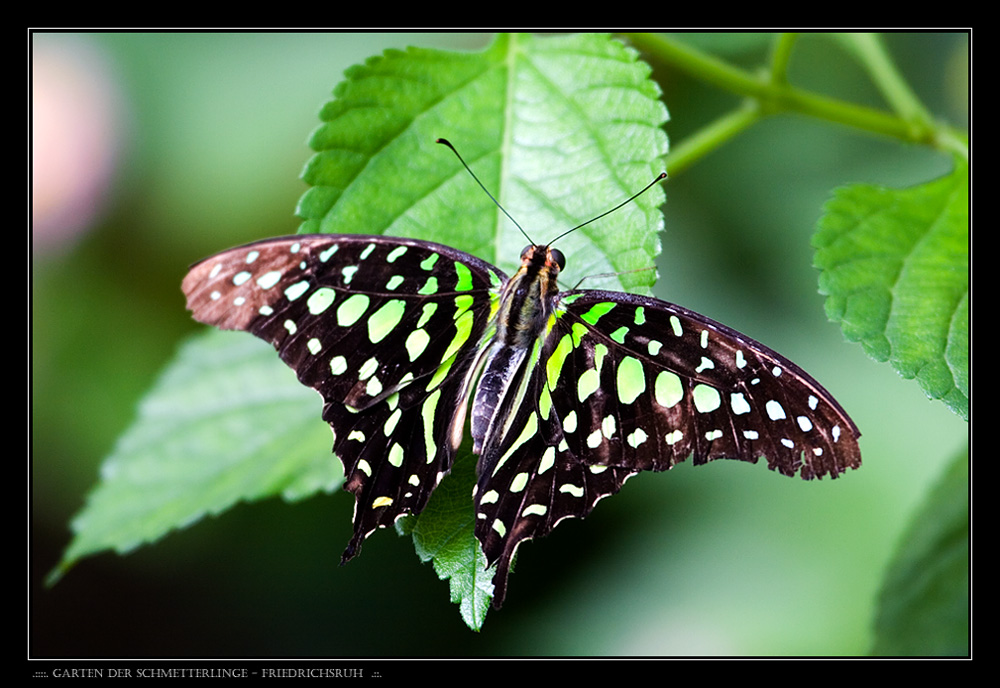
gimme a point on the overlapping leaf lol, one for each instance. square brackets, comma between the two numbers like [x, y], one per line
[896, 271]
[924, 606]
[225, 423]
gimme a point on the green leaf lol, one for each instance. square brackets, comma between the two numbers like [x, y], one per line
[227, 422]
[538, 120]
[444, 532]
[560, 129]
[924, 606]
[895, 266]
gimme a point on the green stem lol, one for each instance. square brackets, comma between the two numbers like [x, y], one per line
[707, 139]
[858, 116]
[781, 56]
[897, 92]
[774, 95]
[700, 65]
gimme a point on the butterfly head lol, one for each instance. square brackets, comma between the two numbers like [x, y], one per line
[544, 256]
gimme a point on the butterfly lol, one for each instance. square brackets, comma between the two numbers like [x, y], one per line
[572, 392]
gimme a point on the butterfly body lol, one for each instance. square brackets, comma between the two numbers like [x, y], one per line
[571, 392]
[525, 304]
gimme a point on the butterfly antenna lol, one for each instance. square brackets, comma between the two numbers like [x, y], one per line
[660, 177]
[446, 142]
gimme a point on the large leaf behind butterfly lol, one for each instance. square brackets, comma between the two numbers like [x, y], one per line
[539, 120]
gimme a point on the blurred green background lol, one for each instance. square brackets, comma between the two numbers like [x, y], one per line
[154, 150]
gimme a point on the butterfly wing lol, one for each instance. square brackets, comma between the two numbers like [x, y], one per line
[674, 383]
[385, 329]
[625, 383]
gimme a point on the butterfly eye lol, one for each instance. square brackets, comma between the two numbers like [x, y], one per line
[526, 252]
[557, 257]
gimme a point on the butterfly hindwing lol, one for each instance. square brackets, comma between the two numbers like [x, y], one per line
[385, 329]
[534, 482]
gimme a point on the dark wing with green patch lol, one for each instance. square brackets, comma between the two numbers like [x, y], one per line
[385, 329]
[625, 383]
[674, 383]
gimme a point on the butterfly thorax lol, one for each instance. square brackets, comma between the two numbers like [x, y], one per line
[525, 305]
[527, 298]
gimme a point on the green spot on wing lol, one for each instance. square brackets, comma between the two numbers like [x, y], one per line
[396, 455]
[668, 389]
[706, 399]
[430, 286]
[427, 413]
[597, 311]
[464, 276]
[428, 311]
[416, 343]
[675, 325]
[296, 290]
[589, 382]
[385, 319]
[463, 303]
[351, 310]
[548, 460]
[527, 432]
[269, 279]
[519, 482]
[631, 380]
[463, 327]
[428, 262]
[320, 300]
[553, 367]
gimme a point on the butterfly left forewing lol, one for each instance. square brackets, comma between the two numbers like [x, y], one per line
[386, 330]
